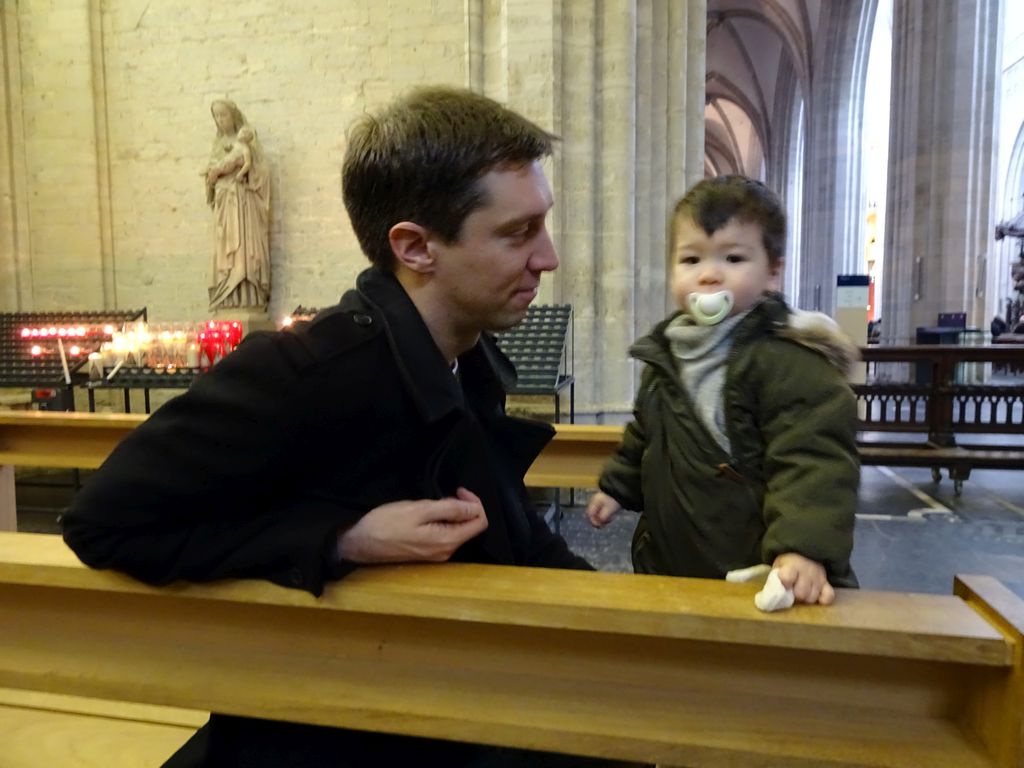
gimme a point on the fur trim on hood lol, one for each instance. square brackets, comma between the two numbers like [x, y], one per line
[820, 332]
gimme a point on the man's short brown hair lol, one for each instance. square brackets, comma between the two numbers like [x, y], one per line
[420, 159]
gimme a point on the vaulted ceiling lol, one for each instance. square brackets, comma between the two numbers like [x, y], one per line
[759, 62]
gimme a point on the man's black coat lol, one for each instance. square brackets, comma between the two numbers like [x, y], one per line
[294, 435]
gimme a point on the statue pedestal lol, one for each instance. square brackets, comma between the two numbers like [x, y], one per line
[251, 318]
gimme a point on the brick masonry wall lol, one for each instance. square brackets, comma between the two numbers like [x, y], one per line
[300, 76]
[56, 156]
[105, 128]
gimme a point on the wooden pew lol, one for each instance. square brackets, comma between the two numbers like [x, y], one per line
[51, 439]
[576, 455]
[677, 671]
[573, 459]
[58, 439]
[45, 729]
[944, 410]
[84, 440]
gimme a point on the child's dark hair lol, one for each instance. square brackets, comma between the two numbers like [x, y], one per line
[712, 203]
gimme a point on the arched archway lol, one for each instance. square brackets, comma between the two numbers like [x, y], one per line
[731, 131]
[797, 68]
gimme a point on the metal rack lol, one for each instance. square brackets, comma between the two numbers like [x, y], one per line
[146, 379]
[34, 360]
[541, 348]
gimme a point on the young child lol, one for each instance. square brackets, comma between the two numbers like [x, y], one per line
[742, 450]
[238, 160]
[242, 150]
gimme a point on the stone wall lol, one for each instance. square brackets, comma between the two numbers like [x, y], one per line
[105, 127]
[939, 215]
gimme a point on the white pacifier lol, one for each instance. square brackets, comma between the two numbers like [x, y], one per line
[710, 308]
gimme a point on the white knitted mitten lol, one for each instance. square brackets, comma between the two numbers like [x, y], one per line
[773, 596]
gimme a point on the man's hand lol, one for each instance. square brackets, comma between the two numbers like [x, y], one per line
[805, 577]
[414, 531]
[601, 509]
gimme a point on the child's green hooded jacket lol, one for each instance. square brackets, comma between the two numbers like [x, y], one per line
[789, 482]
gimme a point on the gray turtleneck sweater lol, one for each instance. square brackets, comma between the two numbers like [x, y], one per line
[702, 353]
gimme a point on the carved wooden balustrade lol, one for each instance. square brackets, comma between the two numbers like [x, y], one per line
[944, 408]
[941, 406]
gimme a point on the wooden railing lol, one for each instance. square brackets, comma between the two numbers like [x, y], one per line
[941, 406]
[944, 409]
[658, 669]
[50, 439]
[939, 410]
[84, 440]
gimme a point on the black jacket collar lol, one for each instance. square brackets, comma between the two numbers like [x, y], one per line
[487, 373]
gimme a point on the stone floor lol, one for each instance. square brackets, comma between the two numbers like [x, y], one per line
[912, 534]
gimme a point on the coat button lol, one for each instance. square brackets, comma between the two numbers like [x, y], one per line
[295, 576]
[362, 319]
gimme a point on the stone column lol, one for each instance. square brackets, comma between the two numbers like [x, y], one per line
[15, 240]
[1009, 173]
[578, 278]
[632, 116]
[622, 83]
[941, 163]
[614, 244]
[57, 150]
[833, 233]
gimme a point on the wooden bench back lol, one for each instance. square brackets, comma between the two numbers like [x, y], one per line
[677, 671]
[943, 405]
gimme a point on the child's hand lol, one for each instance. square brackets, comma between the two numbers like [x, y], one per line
[601, 509]
[805, 577]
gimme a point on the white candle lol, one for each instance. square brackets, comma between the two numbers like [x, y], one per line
[63, 361]
[95, 366]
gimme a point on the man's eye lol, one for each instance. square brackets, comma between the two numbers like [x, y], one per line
[522, 233]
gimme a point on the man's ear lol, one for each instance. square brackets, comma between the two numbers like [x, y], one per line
[775, 275]
[411, 245]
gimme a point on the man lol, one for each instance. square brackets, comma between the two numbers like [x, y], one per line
[375, 434]
[997, 327]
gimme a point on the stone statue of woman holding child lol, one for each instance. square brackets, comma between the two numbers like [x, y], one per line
[238, 191]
